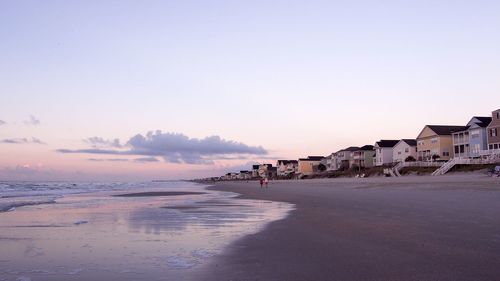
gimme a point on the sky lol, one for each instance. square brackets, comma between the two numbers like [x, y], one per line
[139, 90]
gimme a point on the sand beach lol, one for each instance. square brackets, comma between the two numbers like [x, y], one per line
[408, 228]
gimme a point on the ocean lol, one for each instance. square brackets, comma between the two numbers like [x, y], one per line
[90, 231]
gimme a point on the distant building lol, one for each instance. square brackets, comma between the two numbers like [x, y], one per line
[340, 160]
[362, 157]
[470, 141]
[435, 142]
[255, 171]
[404, 149]
[267, 171]
[494, 131]
[287, 168]
[308, 166]
[383, 152]
[245, 175]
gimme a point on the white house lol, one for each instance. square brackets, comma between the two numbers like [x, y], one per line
[404, 149]
[287, 168]
[383, 152]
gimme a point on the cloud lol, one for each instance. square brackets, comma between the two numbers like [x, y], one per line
[97, 142]
[92, 151]
[2, 122]
[146, 159]
[176, 148]
[32, 121]
[108, 160]
[33, 140]
[25, 169]
[37, 141]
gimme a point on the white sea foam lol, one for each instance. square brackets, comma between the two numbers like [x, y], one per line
[180, 262]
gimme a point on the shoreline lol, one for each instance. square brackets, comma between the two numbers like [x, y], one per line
[409, 228]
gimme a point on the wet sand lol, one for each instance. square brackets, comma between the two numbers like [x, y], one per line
[159, 193]
[149, 234]
[409, 228]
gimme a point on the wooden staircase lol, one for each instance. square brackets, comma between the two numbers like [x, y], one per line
[488, 157]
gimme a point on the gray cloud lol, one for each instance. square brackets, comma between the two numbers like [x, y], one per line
[33, 140]
[146, 159]
[177, 148]
[32, 121]
[37, 141]
[93, 151]
[97, 142]
[108, 160]
[2, 122]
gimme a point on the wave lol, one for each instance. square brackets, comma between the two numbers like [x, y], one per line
[11, 206]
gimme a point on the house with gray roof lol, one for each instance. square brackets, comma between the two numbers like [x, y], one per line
[404, 149]
[383, 152]
[470, 141]
[435, 143]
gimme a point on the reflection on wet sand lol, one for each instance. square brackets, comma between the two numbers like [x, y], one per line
[155, 237]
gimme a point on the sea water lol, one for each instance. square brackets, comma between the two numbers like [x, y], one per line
[83, 231]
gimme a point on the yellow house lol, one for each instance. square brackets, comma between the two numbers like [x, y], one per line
[307, 166]
[435, 141]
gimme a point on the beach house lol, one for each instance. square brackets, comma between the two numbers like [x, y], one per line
[470, 141]
[255, 171]
[287, 168]
[494, 130]
[383, 152]
[435, 142]
[308, 166]
[267, 171]
[362, 157]
[340, 160]
[245, 175]
[404, 149]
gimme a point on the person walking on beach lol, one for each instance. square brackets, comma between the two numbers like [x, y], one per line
[261, 182]
[266, 181]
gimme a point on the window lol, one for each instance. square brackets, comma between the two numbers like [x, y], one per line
[407, 150]
[446, 153]
[490, 146]
[476, 148]
[434, 140]
[493, 132]
[474, 134]
[498, 114]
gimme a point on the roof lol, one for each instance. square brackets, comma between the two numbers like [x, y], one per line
[445, 130]
[410, 142]
[312, 158]
[387, 143]
[287, 161]
[366, 147]
[465, 128]
[315, 158]
[350, 148]
[485, 121]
